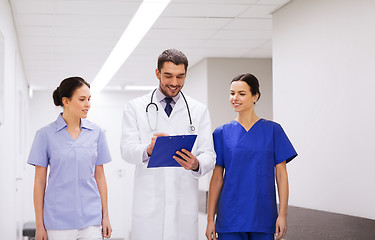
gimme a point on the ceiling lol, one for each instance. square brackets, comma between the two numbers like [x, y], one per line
[62, 38]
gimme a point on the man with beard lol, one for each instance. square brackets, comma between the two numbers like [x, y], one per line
[165, 200]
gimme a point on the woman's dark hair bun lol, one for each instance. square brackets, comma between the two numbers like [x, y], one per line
[56, 97]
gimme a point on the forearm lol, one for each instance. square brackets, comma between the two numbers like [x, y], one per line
[283, 190]
[104, 199]
[38, 205]
[39, 192]
[102, 187]
[213, 197]
[216, 185]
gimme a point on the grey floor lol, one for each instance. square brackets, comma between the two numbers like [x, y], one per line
[307, 224]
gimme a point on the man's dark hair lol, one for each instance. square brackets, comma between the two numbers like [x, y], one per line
[172, 55]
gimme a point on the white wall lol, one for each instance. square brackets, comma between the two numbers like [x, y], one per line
[196, 82]
[323, 61]
[13, 131]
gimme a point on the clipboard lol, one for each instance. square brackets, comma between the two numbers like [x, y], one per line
[166, 147]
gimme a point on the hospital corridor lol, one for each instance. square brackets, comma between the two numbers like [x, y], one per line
[315, 64]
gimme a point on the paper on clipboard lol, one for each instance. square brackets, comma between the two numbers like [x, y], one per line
[166, 147]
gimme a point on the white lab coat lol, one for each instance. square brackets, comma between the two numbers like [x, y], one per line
[165, 201]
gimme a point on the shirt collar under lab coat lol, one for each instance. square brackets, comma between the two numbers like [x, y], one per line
[60, 123]
[160, 96]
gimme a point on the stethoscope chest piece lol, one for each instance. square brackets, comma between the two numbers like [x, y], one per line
[191, 129]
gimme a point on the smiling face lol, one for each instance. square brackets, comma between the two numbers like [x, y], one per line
[171, 78]
[241, 98]
[79, 104]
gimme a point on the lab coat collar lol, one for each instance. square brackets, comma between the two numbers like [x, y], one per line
[60, 123]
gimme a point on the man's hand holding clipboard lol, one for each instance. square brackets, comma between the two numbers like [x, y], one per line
[187, 160]
[172, 151]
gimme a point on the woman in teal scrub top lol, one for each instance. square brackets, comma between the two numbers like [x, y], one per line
[253, 152]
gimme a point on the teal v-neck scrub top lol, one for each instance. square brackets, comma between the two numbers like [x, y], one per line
[72, 199]
[247, 202]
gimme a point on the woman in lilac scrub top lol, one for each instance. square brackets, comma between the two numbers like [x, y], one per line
[74, 202]
[251, 153]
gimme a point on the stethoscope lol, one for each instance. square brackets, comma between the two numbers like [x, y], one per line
[191, 128]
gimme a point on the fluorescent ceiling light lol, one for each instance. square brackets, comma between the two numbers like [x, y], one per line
[144, 18]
